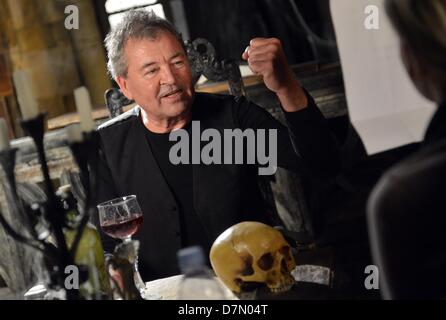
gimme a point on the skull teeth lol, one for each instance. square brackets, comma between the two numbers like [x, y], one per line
[283, 287]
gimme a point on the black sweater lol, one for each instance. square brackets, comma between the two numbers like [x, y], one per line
[221, 195]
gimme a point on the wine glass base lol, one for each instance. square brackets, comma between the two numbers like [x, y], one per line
[141, 286]
[148, 295]
[151, 296]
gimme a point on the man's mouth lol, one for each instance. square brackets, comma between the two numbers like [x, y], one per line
[173, 93]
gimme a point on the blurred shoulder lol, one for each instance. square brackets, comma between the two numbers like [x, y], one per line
[413, 184]
[124, 118]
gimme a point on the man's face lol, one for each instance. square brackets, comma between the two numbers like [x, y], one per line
[158, 76]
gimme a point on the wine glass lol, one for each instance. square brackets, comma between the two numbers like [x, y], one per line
[121, 218]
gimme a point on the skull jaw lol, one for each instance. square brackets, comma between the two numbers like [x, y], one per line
[247, 286]
[281, 285]
[284, 284]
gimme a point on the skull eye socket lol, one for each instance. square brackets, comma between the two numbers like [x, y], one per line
[285, 251]
[266, 261]
[247, 270]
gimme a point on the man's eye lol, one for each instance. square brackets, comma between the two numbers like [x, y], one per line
[151, 72]
[178, 63]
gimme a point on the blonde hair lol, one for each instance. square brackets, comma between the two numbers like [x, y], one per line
[422, 25]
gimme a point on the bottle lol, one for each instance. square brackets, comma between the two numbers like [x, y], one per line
[198, 283]
[90, 253]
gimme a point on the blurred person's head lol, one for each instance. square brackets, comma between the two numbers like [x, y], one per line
[147, 58]
[421, 25]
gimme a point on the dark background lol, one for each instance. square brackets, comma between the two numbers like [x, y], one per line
[230, 24]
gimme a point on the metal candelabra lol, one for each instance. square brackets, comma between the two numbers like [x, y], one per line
[50, 240]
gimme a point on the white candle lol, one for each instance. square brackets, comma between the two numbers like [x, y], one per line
[74, 133]
[83, 105]
[4, 135]
[25, 95]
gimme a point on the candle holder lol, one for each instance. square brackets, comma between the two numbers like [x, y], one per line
[86, 154]
[7, 162]
[57, 254]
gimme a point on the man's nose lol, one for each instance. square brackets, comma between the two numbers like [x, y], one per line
[167, 76]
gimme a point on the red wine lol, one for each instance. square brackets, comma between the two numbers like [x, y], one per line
[123, 229]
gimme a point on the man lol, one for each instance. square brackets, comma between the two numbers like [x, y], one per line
[191, 204]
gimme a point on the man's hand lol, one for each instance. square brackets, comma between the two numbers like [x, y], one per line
[266, 58]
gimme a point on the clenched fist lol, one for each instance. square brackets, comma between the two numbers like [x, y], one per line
[265, 57]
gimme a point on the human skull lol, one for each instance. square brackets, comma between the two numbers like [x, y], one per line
[250, 253]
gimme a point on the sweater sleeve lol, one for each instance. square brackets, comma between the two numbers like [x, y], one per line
[305, 145]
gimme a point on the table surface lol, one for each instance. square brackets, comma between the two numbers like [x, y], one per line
[168, 289]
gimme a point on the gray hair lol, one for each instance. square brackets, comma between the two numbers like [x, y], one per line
[422, 25]
[135, 24]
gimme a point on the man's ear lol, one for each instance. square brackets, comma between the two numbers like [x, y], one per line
[122, 83]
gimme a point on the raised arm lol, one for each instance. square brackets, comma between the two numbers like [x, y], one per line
[308, 135]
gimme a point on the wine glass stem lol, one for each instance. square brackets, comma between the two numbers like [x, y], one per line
[137, 277]
[127, 239]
